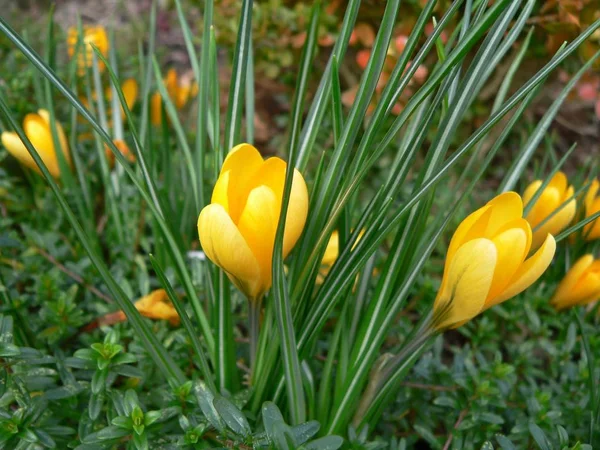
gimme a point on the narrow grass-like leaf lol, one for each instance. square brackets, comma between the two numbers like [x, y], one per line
[517, 168]
[233, 121]
[283, 310]
[319, 104]
[589, 355]
[181, 137]
[187, 324]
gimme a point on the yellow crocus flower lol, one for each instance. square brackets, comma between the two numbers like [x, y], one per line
[91, 35]
[555, 194]
[157, 305]
[487, 261]
[179, 92]
[38, 131]
[237, 230]
[581, 284]
[592, 206]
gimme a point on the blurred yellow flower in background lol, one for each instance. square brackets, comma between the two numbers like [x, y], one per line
[237, 230]
[554, 194]
[38, 131]
[581, 284]
[130, 90]
[180, 91]
[592, 206]
[123, 148]
[95, 35]
[487, 261]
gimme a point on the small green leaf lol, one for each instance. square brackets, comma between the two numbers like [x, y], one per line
[205, 399]
[123, 422]
[505, 443]
[106, 434]
[325, 443]
[563, 436]
[305, 431]
[232, 416]
[540, 437]
[151, 416]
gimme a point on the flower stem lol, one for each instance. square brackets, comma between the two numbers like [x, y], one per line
[253, 326]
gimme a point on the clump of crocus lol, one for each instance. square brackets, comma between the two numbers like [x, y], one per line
[38, 130]
[123, 148]
[179, 90]
[487, 261]
[591, 231]
[581, 284]
[237, 230]
[95, 35]
[548, 203]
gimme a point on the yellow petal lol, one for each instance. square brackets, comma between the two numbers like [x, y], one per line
[592, 230]
[272, 174]
[16, 148]
[156, 305]
[511, 247]
[183, 94]
[587, 288]
[559, 182]
[243, 161]
[62, 138]
[240, 157]
[547, 202]
[156, 109]
[505, 208]
[37, 130]
[530, 270]
[130, 92]
[530, 191]
[332, 249]
[171, 83]
[556, 223]
[567, 285]
[472, 227]
[220, 190]
[258, 225]
[469, 280]
[296, 214]
[224, 245]
[590, 196]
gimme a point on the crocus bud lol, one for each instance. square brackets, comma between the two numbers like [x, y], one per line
[554, 195]
[95, 35]
[237, 230]
[487, 261]
[581, 284]
[38, 131]
[592, 206]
